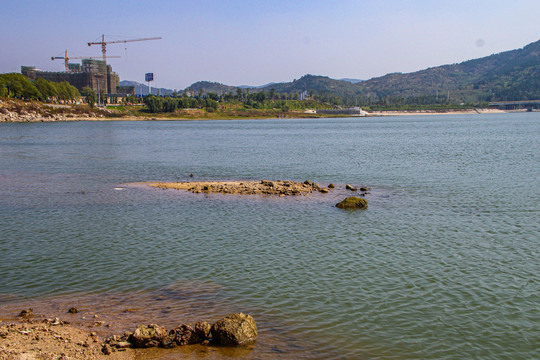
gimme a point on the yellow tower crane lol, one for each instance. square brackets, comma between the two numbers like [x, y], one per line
[66, 58]
[104, 43]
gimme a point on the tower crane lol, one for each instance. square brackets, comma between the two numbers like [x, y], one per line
[104, 43]
[66, 58]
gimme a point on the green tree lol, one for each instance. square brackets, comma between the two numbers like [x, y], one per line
[154, 104]
[66, 91]
[46, 88]
[18, 85]
[211, 105]
[90, 95]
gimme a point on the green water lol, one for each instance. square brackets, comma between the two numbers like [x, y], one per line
[443, 265]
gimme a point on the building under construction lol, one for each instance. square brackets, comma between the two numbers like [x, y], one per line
[95, 74]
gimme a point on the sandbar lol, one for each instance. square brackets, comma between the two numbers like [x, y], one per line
[261, 187]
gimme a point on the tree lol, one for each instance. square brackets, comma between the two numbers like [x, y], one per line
[90, 95]
[154, 104]
[170, 104]
[18, 85]
[211, 105]
[46, 88]
[66, 91]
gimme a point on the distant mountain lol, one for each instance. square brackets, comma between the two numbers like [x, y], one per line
[255, 87]
[211, 87]
[510, 75]
[313, 83]
[352, 81]
[142, 89]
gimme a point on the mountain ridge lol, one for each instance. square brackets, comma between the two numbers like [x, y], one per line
[508, 75]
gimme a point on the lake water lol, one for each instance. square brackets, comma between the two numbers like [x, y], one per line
[445, 263]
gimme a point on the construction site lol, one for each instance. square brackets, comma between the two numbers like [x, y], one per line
[92, 73]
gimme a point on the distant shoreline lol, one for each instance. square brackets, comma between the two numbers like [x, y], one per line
[26, 112]
[383, 113]
[437, 112]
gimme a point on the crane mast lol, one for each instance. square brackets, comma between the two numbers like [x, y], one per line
[104, 43]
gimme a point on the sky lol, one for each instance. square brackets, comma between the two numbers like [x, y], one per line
[254, 42]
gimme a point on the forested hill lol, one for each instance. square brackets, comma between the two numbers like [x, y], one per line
[510, 75]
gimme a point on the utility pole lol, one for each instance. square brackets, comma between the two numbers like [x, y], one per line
[99, 94]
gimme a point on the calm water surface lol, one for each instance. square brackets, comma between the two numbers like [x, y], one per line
[443, 265]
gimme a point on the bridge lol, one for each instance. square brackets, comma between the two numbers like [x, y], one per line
[516, 105]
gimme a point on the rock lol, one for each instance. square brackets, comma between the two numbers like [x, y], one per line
[331, 186]
[26, 313]
[323, 190]
[350, 187]
[124, 345]
[363, 188]
[185, 335]
[192, 333]
[235, 329]
[267, 183]
[73, 310]
[106, 349]
[202, 329]
[353, 203]
[148, 336]
[169, 341]
[307, 182]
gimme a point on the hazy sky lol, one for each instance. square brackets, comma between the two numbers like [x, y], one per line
[256, 42]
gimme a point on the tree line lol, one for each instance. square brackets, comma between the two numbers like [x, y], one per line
[270, 100]
[19, 86]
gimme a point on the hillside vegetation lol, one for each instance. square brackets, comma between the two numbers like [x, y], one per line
[510, 75]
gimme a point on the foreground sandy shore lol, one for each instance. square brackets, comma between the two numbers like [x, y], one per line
[50, 339]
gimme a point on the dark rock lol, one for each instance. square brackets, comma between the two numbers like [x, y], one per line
[190, 175]
[267, 183]
[169, 341]
[202, 329]
[363, 188]
[185, 335]
[192, 333]
[148, 336]
[323, 190]
[353, 203]
[331, 186]
[235, 329]
[26, 313]
[73, 310]
[307, 182]
[350, 187]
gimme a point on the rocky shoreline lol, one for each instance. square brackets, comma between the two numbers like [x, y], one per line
[18, 111]
[33, 338]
